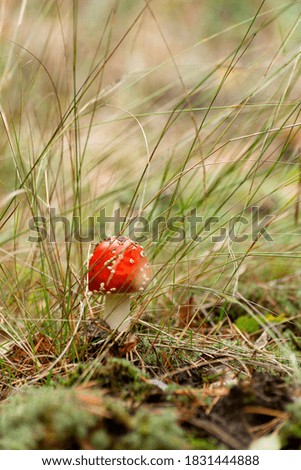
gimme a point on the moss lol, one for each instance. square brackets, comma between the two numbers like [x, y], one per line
[147, 351]
[122, 378]
[154, 431]
[164, 358]
[68, 419]
[119, 376]
[100, 440]
[199, 443]
[43, 419]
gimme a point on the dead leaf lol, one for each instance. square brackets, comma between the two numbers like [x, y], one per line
[186, 312]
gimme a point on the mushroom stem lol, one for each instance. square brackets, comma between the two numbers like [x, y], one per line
[116, 313]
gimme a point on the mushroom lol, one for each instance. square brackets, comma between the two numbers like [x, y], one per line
[118, 268]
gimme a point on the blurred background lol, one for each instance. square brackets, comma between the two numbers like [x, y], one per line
[183, 118]
[156, 108]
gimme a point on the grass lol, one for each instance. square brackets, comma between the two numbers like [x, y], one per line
[185, 118]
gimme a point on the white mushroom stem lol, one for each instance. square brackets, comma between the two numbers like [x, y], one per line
[117, 310]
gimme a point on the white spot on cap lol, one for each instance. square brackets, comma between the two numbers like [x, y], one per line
[120, 256]
[141, 289]
[113, 271]
[110, 268]
[132, 261]
[113, 289]
[102, 285]
[142, 254]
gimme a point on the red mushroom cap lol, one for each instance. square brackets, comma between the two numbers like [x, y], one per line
[119, 265]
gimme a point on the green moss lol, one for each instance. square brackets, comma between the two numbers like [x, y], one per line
[100, 440]
[154, 431]
[43, 419]
[120, 376]
[147, 352]
[65, 419]
[198, 443]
